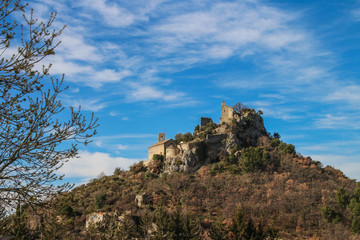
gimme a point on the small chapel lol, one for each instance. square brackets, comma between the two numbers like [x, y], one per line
[162, 147]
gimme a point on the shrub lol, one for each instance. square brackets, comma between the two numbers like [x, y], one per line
[138, 167]
[331, 215]
[276, 135]
[100, 200]
[254, 159]
[232, 158]
[197, 128]
[287, 148]
[158, 157]
[155, 166]
[187, 137]
[218, 167]
[66, 210]
[342, 198]
[118, 171]
[275, 142]
[179, 137]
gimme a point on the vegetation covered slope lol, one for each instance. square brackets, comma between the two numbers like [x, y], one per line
[265, 190]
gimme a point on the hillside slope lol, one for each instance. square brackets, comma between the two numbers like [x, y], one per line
[231, 181]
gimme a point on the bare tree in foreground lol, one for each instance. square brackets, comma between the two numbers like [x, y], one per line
[34, 140]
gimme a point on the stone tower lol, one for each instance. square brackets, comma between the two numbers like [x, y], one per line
[161, 137]
[227, 113]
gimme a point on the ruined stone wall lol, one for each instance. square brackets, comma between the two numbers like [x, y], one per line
[227, 113]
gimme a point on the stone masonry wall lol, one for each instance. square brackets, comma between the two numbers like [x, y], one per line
[227, 113]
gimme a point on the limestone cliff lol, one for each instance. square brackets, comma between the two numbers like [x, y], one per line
[213, 144]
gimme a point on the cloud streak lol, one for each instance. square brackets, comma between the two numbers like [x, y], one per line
[89, 165]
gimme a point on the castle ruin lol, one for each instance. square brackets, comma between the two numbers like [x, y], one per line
[227, 113]
[169, 148]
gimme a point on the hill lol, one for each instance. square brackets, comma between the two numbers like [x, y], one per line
[227, 181]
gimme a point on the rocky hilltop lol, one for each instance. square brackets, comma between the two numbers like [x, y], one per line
[232, 180]
[212, 143]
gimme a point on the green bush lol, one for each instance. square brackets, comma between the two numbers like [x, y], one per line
[275, 142]
[354, 206]
[197, 128]
[254, 159]
[342, 198]
[66, 210]
[179, 137]
[187, 137]
[287, 148]
[218, 167]
[118, 170]
[331, 215]
[100, 200]
[138, 167]
[158, 157]
[232, 158]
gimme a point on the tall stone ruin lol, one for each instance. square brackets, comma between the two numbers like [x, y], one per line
[227, 113]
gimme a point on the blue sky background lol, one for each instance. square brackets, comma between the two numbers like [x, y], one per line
[149, 66]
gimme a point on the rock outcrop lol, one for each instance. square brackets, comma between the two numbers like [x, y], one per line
[244, 131]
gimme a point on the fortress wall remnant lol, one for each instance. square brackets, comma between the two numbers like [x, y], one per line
[215, 138]
[227, 113]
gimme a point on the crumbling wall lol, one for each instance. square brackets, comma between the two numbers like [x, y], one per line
[227, 113]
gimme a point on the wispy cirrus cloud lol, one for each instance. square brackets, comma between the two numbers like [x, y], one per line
[111, 13]
[349, 94]
[189, 34]
[338, 121]
[220, 31]
[89, 104]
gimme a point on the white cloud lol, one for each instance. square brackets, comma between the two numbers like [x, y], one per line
[350, 165]
[356, 14]
[224, 32]
[279, 112]
[74, 47]
[89, 165]
[125, 136]
[121, 147]
[146, 92]
[347, 147]
[93, 105]
[338, 121]
[113, 113]
[113, 14]
[349, 94]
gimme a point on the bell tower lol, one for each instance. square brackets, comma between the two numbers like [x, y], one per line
[161, 137]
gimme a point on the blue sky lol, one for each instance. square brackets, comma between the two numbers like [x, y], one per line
[149, 66]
